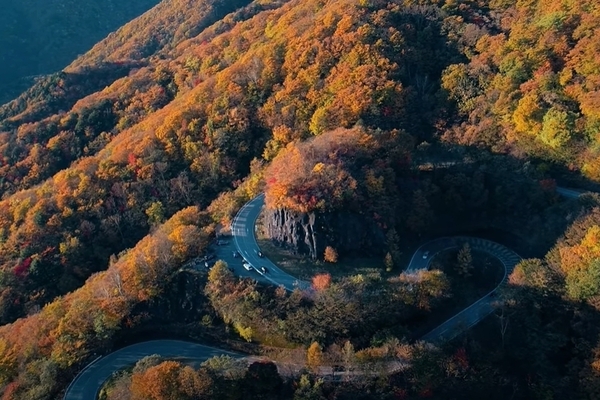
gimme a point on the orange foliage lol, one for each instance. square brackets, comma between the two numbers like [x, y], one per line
[330, 255]
[582, 254]
[69, 329]
[169, 380]
[321, 281]
[318, 175]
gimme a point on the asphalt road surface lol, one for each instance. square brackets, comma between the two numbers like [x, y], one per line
[89, 381]
[244, 238]
[481, 308]
[87, 384]
[571, 193]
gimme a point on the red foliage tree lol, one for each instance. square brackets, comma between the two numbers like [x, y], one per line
[321, 281]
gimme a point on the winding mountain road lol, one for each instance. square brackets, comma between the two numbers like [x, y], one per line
[88, 382]
[244, 237]
[483, 307]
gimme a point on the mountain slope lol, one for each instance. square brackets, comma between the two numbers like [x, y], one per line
[156, 118]
[532, 84]
[40, 37]
[186, 120]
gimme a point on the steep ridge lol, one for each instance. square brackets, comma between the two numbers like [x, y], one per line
[91, 378]
[41, 37]
[184, 127]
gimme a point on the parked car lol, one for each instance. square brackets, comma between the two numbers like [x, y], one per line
[264, 270]
[247, 266]
[221, 242]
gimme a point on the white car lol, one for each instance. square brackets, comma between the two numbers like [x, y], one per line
[247, 266]
[425, 255]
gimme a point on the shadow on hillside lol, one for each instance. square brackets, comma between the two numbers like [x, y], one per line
[501, 198]
[538, 342]
[60, 91]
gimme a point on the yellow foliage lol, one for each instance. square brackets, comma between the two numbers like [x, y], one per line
[527, 118]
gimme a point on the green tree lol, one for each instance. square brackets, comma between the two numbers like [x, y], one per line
[262, 381]
[585, 282]
[155, 213]
[227, 366]
[557, 128]
[421, 215]
[388, 261]
[393, 241]
[306, 390]
[464, 261]
[146, 363]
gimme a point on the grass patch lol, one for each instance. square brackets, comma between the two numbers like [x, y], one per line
[304, 268]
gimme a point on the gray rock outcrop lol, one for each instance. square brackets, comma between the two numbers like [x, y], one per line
[310, 233]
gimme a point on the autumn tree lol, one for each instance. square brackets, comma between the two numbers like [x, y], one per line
[314, 356]
[171, 380]
[323, 174]
[73, 327]
[330, 255]
[236, 302]
[321, 281]
[348, 355]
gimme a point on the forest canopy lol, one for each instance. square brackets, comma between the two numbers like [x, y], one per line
[334, 170]
[387, 109]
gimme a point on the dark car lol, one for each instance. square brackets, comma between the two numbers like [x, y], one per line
[236, 254]
[264, 270]
[207, 257]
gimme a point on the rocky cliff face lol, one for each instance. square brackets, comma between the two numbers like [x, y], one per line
[311, 233]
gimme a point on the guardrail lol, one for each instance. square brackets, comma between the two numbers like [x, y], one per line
[508, 265]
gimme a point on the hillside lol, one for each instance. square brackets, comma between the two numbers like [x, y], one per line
[41, 37]
[531, 84]
[424, 118]
[178, 127]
